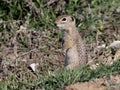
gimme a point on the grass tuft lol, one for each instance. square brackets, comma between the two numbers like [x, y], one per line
[64, 77]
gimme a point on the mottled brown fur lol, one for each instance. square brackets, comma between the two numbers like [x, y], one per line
[73, 46]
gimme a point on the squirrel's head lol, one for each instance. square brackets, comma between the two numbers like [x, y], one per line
[65, 22]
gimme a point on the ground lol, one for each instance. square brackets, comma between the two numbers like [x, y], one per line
[30, 36]
[105, 83]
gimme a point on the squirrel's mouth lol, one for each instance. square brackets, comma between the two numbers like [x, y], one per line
[60, 26]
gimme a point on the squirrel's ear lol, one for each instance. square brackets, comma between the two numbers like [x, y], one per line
[72, 18]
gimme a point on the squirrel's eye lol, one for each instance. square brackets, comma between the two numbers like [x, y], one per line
[64, 19]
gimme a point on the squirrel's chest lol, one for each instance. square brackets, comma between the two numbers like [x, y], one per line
[68, 41]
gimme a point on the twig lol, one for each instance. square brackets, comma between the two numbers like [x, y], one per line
[26, 53]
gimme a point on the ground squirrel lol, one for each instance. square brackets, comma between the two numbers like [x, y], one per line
[73, 46]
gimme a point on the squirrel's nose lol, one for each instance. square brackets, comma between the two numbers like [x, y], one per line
[55, 22]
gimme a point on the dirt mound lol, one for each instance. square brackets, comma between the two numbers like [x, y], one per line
[106, 83]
